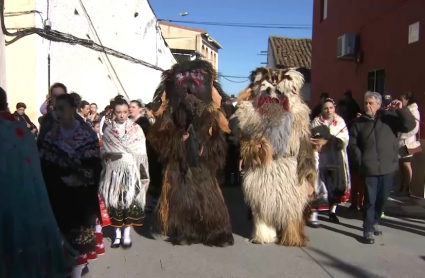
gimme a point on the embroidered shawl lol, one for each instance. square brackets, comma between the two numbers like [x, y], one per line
[129, 173]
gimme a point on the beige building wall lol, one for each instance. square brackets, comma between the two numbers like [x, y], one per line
[178, 38]
[20, 59]
[183, 38]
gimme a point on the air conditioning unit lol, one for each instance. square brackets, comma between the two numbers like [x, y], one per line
[347, 46]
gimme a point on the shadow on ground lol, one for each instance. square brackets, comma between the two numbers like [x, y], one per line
[336, 263]
[238, 211]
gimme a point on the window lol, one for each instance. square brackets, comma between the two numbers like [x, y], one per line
[414, 32]
[376, 81]
[324, 9]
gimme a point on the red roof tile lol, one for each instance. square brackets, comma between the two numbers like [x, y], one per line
[289, 52]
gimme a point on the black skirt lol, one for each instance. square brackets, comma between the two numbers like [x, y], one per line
[121, 216]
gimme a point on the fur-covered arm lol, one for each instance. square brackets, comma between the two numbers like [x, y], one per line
[255, 148]
[256, 151]
[306, 166]
[166, 139]
[213, 141]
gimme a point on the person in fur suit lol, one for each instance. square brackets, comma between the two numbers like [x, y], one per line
[189, 135]
[279, 161]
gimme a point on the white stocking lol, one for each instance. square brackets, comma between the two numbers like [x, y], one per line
[117, 236]
[127, 238]
[313, 216]
[77, 270]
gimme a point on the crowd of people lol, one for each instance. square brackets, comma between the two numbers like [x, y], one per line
[79, 159]
[358, 153]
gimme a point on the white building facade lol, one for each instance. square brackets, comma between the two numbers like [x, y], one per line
[128, 26]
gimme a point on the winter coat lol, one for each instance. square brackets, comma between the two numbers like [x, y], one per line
[374, 142]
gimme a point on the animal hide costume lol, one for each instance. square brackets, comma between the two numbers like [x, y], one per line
[189, 136]
[278, 156]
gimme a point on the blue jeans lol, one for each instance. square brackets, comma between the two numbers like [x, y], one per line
[377, 190]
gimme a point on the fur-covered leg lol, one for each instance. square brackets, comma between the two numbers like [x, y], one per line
[263, 233]
[164, 206]
[294, 234]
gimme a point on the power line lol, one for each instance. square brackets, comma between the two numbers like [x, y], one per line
[231, 76]
[243, 25]
[226, 78]
[58, 36]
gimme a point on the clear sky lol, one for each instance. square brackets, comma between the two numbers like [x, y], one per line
[241, 46]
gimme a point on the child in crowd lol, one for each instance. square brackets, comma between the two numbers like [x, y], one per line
[96, 128]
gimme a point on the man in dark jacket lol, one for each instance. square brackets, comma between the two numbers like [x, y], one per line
[374, 149]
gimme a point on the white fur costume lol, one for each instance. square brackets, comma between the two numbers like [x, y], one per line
[279, 159]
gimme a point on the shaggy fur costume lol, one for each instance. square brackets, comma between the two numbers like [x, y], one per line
[191, 208]
[278, 155]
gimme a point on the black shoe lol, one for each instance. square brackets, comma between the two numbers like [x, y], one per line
[313, 224]
[85, 270]
[116, 245]
[368, 238]
[353, 208]
[333, 218]
[377, 230]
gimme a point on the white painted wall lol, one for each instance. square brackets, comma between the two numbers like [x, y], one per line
[81, 70]
[2, 62]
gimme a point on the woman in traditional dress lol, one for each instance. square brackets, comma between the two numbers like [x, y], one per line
[155, 167]
[125, 177]
[71, 165]
[30, 245]
[333, 163]
[408, 144]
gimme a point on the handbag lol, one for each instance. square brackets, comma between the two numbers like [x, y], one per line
[106, 221]
[418, 149]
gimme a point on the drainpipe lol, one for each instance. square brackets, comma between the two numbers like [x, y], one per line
[2, 61]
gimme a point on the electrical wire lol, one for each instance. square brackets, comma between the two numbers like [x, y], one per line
[100, 42]
[48, 9]
[57, 36]
[12, 14]
[224, 77]
[230, 76]
[243, 25]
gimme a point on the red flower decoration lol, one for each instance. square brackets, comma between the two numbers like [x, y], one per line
[28, 161]
[19, 132]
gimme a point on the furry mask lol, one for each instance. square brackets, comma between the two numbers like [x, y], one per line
[187, 89]
[273, 87]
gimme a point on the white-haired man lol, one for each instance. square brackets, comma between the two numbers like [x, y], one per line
[374, 148]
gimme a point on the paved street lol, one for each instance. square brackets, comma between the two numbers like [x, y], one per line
[334, 251]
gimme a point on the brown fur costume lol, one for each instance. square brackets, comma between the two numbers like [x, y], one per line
[279, 158]
[191, 208]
